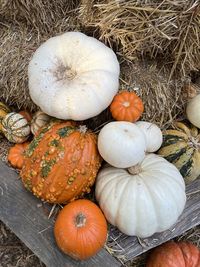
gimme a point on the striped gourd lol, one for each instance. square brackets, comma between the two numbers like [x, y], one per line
[181, 146]
[40, 119]
[4, 110]
[15, 127]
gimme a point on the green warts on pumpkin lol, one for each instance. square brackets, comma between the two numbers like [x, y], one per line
[66, 131]
[46, 167]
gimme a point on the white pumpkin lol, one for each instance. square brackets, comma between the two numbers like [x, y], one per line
[145, 199]
[40, 119]
[153, 135]
[73, 76]
[15, 127]
[121, 144]
[193, 111]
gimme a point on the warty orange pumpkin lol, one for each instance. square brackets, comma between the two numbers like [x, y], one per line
[175, 254]
[126, 106]
[80, 229]
[61, 162]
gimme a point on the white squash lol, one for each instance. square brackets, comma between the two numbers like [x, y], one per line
[153, 135]
[121, 144]
[15, 127]
[193, 111]
[73, 76]
[144, 199]
[40, 119]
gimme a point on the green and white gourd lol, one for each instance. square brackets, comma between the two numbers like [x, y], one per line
[15, 128]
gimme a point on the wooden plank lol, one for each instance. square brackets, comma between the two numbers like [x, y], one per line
[127, 247]
[23, 214]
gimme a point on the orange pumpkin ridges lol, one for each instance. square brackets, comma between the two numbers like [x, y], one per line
[16, 155]
[126, 106]
[175, 254]
[61, 163]
[80, 229]
[26, 115]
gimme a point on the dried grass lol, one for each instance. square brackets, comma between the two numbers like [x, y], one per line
[19, 40]
[148, 27]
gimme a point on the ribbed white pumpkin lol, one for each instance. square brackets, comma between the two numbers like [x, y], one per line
[15, 127]
[73, 76]
[143, 203]
[122, 144]
[153, 135]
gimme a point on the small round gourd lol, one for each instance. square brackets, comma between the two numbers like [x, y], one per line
[143, 199]
[15, 127]
[193, 111]
[175, 254]
[153, 135]
[121, 144]
[181, 146]
[40, 119]
[126, 106]
[73, 76]
[80, 229]
[16, 155]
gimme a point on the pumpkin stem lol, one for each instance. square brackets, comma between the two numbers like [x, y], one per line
[135, 169]
[80, 220]
[83, 129]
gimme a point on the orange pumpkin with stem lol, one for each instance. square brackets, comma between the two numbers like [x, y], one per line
[16, 155]
[126, 106]
[80, 229]
[61, 162]
[172, 254]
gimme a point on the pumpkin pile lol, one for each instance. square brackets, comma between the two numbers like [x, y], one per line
[137, 190]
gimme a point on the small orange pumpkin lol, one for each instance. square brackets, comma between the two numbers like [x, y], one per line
[80, 229]
[26, 115]
[172, 254]
[126, 106]
[16, 155]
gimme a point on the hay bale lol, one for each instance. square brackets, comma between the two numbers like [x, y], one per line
[163, 99]
[41, 15]
[148, 27]
[17, 45]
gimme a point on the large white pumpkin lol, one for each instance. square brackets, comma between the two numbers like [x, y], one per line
[193, 111]
[153, 135]
[73, 76]
[122, 144]
[143, 203]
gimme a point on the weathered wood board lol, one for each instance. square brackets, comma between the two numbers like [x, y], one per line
[25, 216]
[20, 211]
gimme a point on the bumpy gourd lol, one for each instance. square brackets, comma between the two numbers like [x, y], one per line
[143, 199]
[61, 162]
[73, 76]
[181, 146]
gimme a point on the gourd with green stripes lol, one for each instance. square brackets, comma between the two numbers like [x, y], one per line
[181, 146]
[4, 110]
[15, 127]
